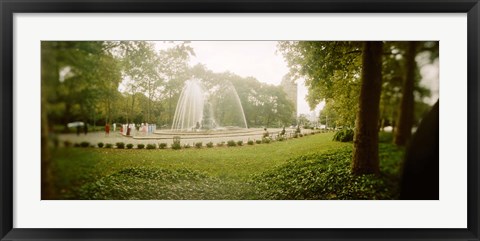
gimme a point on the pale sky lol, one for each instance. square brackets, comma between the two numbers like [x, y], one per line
[259, 59]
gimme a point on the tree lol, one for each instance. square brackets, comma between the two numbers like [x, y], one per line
[137, 69]
[174, 69]
[49, 75]
[405, 119]
[411, 87]
[365, 151]
[334, 72]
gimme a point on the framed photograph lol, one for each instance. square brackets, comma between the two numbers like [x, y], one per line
[223, 120]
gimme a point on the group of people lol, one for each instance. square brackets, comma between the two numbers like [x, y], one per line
[267, 134]
[132, 129]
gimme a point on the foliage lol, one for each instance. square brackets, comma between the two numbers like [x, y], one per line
[221, 144]
[79, 80]
[239, 143]
[154, 184]
[331, 70]
[258, 141]
[250, 142]
[151, 146]
[198, 145]
[67, 143]
[224, 173]
[100, 144]
[77, 167]
[120, 145]
[328, 176]
[176, 146]
[176, 143]
[345, 135]
[385, 137]
[140, 146]
[210, 144]
[84, 144]
[129, 146]
[231, 143]
[109, 145]
[162, 145]
[266, 140]
[186, 146]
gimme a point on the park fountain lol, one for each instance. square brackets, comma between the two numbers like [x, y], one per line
[201, 110]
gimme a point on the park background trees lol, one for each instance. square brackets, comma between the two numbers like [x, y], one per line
[365, 85]
[103, 82]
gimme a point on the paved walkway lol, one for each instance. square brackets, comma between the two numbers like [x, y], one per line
[96, 137]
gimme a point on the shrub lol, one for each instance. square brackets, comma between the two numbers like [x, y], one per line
[84, 144]
[298, 129]
[280, 138]
[240, 143]
[76, 145]
[231, 143]
[151, 146]
[186, 146]
[129, 146]
[266, 140]
[67, 143]
[344, 135]
[210, 144]
[221, 143]
[198, 145]
[108, 145]
[120, 145]
[176, 146]
[100, 144]
[300, 135]
[176, 143]
[140, 146]
[162, 145]
[258, 141]
[250, 142]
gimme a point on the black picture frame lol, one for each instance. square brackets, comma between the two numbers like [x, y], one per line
[9, 7]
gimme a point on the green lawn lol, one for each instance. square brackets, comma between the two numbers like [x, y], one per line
[206, 173]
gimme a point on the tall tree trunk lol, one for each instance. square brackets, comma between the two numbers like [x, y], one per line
[365, 151]
[50, 72]
[405, 118]
[46, 169]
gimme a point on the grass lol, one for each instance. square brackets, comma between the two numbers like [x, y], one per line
[206, 173]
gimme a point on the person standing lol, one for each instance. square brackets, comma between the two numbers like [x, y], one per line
[85, 128]
[107, 129]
